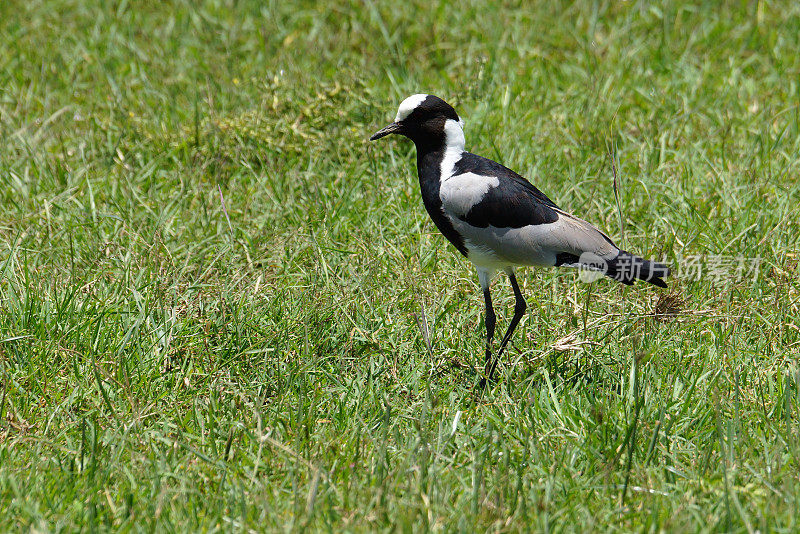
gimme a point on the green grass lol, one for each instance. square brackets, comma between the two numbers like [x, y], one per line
[172, 363]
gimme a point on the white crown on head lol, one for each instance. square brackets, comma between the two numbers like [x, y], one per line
[409, 105]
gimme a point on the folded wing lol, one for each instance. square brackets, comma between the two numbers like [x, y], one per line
[505, 220]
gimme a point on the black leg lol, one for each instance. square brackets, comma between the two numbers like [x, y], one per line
[519, 311]
[491, 320]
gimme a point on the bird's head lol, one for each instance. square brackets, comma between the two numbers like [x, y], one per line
[425, 119]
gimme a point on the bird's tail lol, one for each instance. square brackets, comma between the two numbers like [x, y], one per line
[626, 268]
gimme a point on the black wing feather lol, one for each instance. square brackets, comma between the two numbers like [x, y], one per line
[514, 203]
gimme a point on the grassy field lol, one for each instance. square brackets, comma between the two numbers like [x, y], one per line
[214, 290]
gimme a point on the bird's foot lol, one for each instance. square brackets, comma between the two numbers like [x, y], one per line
[479, 388]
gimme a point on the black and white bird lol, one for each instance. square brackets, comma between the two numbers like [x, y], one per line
[499, 220]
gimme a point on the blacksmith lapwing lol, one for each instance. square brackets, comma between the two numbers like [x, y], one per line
[496, 218]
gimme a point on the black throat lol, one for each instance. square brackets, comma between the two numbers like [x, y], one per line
[429, 168]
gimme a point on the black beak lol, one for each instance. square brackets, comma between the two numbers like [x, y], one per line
[395, 127]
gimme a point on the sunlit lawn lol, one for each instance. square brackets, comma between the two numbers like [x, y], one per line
[221, 308]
